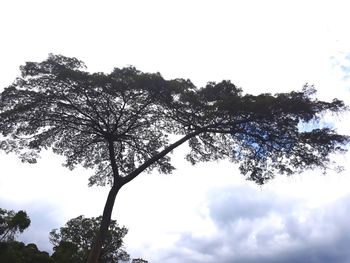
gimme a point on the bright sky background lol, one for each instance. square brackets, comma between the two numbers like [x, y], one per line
[206, 213]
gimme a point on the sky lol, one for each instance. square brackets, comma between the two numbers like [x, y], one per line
[208, 212]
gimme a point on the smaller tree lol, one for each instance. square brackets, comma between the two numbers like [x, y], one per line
[73, 242]
[11, 223]
[18, 252]
[66, 252]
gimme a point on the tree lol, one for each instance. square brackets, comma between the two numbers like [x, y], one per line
[73, 242]
[18, 252]
[66, 252]
[119, 124]
[11, 223]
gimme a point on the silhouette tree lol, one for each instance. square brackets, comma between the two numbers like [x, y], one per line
[73, 242]
[12, 223]
[119, 124]
[66, 252]
[18, 252]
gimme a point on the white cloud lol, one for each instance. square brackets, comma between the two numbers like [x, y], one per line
[262, 226]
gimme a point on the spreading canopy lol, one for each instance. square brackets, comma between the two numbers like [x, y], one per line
[119, 123]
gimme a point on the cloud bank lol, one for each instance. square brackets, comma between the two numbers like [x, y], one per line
[253, 225]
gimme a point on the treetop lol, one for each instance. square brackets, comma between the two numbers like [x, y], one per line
[119, 123]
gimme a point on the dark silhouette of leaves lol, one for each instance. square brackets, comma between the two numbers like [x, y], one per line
[74, 241]
[11, 223]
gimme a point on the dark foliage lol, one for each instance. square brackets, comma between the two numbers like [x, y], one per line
[139, 260]
[67, 252]
[18, 252]
[11, 223]
[119, 124]
[73, 242]
[262, 133]
[81, 115]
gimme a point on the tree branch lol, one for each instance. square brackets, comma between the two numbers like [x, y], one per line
[157, 157]
[113, 160]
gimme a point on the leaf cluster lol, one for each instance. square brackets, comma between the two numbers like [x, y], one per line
[261, 132]
[58, 105]
[11, 223]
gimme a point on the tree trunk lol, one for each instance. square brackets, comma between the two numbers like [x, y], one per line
[118, 183]
[95, 252]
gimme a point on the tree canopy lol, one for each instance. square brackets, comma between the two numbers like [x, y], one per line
[73, 242]
[122, 124]
[11, 223]
[57, 104]
[18, 252]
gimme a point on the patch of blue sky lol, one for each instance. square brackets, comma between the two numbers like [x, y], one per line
[345, 68]
[315, 124]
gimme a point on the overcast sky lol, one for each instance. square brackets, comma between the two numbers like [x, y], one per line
[205, 213]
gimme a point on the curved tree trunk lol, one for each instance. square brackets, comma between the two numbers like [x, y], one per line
[118, 183]
[95, 252]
